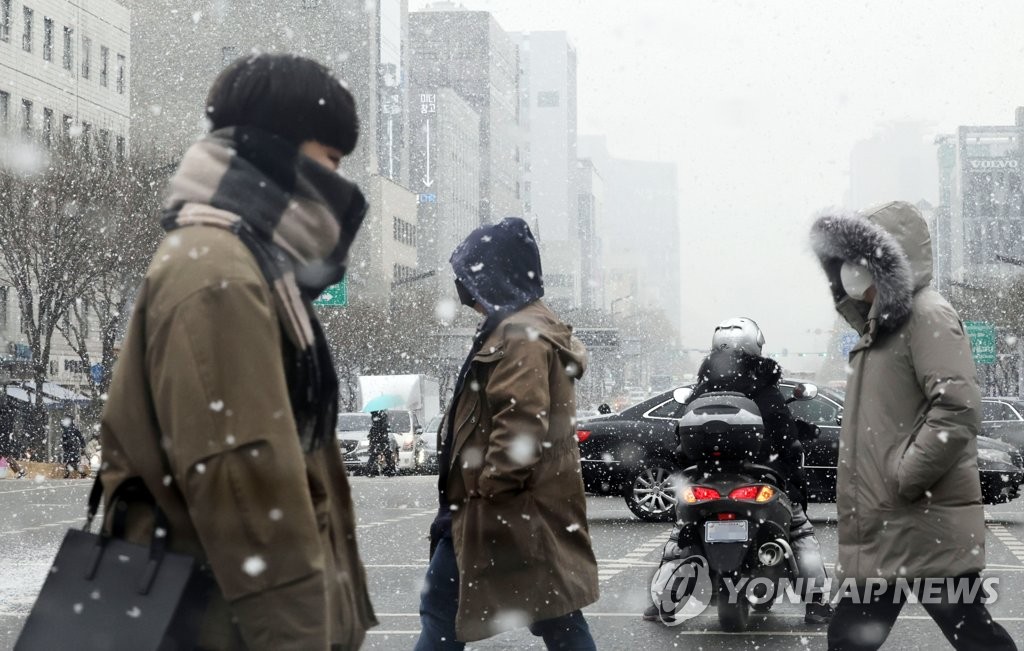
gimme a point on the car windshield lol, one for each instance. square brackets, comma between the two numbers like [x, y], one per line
[353, 422]
[398, 421]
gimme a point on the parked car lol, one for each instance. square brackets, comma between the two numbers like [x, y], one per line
[1003, 419]
[633, 454]
[353, 431]
[428, 455]
[405, 426]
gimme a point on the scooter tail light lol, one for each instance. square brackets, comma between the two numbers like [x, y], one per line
[745, 493]
[694, 494]
[582, 435]
[726, 516]
[765, 494]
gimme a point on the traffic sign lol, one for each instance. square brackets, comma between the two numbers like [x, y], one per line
[96, 373]
[334, 296]
[983, 341]
[847, 341]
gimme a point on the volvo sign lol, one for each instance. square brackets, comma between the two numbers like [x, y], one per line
[994, 163]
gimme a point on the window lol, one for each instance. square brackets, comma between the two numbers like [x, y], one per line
[548, 98]
[86, 138]
[47, 39]
[402, 273]
[65, 127]
[120, 74]
[26, 39]
[5, 20]
[228, 54]
[120, 148]
[404, 232]
[104, 143]
[3, 308]
[86, 56]
[670, 409]
[75, 366]
[104, 65]
[69, 53]
[26, 116]
[996, 411]
[48, 127]
[5, 109]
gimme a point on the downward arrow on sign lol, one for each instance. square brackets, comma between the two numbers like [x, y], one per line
[427, 181]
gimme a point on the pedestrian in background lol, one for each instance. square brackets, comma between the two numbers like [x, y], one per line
[909, 495]
[382, 459]
[72, 443]
[223, 402]
[510, 546]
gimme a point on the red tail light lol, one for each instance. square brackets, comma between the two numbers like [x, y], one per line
[753, 493]
[694, 494]
[582, 435]
[726, 516]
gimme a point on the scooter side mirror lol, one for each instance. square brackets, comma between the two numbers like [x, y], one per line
[805, 391]
[682, 395]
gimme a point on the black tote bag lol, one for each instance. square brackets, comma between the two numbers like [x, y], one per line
[103, 592]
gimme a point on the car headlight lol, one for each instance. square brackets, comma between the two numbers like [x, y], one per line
[995, 456]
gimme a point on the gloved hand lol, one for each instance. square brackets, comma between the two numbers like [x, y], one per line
[806, 432]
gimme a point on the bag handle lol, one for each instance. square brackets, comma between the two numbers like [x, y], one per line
[157, 543]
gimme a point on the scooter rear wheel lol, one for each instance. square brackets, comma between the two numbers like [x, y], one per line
[733, 617]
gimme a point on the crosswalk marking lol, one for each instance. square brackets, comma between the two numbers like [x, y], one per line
[612, 567]
[1004, 536]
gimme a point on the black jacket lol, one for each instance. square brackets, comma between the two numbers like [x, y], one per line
[379, 432]
[71, 439]
[758, 378]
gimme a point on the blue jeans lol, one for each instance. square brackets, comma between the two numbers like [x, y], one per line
[439, 604]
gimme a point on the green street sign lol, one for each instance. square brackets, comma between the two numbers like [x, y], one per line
[334, 296]
[983, 341]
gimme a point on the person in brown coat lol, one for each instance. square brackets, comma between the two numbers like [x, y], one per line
[223, 402]
[510, 546]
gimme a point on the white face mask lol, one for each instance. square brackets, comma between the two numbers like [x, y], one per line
[856, 279]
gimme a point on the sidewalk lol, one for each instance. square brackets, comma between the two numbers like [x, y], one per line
[38, 471]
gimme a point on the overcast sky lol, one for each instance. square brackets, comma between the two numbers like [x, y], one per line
[759, 104]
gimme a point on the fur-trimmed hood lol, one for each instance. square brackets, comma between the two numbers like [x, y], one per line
[893, 242]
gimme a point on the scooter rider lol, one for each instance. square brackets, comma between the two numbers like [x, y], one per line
[736, 364]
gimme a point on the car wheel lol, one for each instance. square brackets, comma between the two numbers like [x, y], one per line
[650, 493]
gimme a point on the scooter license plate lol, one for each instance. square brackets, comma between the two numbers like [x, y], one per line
[725, 531]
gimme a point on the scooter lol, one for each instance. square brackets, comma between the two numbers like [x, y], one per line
[733, 508]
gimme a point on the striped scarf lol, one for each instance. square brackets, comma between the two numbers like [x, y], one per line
[298, 219]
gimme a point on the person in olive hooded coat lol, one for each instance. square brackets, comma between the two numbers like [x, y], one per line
[223, 402]
[510, 546]
[909, 496]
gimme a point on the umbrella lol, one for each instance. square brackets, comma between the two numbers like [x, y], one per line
[383, 403]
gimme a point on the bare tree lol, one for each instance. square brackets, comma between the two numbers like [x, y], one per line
[127, 234]
[46, 253]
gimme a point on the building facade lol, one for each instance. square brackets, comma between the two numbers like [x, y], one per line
[984, 216]
[590, 206]
[548, 123]
[445, 159]
[67, 77]
[468, 52]
[640, 229]
[66, 71]
[181, 48]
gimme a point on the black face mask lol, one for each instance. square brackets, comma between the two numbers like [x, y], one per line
[464, 296]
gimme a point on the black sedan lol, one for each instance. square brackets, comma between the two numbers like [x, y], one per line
[633, 454]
